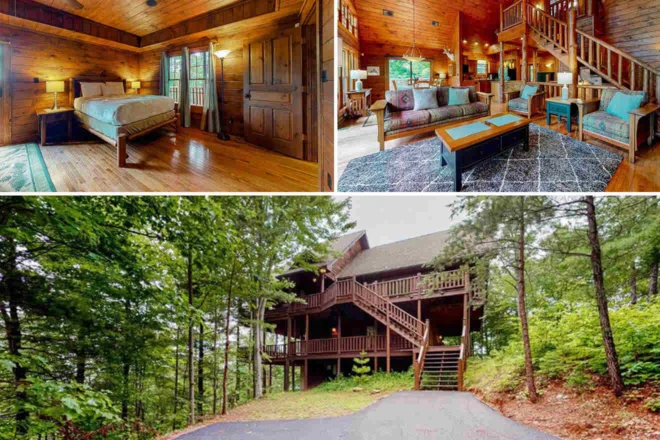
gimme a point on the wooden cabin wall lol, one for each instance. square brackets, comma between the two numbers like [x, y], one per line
[327, 117]
[47, 57]
[632, 26]
[376, 54]
[233, 118]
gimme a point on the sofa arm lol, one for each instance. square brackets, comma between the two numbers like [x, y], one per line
[585, 106]
[379, 108]
[637, 115]
[486, 98]
[535, 102]
[511, 95]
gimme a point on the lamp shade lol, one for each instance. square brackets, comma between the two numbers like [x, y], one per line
[443, 75]
[565, 78]
[136, 85]
[358, 74]
[222, 53]
[54, 86]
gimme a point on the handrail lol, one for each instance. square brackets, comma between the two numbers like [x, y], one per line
[421, 357]
[512, 5]
[512, 16]
[549, 27]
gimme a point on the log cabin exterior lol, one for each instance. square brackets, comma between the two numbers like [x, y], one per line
[382, 301]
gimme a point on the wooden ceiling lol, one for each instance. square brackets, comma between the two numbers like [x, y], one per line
[482, 19]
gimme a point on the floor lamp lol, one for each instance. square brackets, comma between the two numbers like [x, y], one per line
[222, 54]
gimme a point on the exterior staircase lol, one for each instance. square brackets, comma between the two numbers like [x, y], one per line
[441, 369]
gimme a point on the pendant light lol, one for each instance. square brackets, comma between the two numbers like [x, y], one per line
[413, 54]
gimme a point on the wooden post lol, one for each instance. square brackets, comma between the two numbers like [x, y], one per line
[338, 332]
[270, 375]
[535, 62]
[501, 17]
[375, 364]
[306, 334]
[524, 14]
[322, 282]
[293, 376]
[572, 51]
[338, 366]
[287, 355]
[501, 72]
[305, 378]
[419, 309]
[387, 345]
[524, 68]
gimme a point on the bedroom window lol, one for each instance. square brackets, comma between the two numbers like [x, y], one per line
[199, 67]
[175, 78]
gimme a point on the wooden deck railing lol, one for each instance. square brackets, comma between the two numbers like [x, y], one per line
[350, 344]
[512, 16]
[196, 95]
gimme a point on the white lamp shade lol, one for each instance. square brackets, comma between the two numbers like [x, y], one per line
[54, 86]
[136, 85]
[222, 53]
[565, 78]
[358, 74]
[443, 75]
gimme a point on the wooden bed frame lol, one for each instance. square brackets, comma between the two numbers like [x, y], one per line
[122, 138]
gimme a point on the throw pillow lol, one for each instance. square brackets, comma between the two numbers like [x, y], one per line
[90, 90]
[529, 91]
[113, 88]
[425, 99]
[459, 96]
[622, 104]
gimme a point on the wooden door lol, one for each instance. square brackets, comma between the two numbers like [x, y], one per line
[273, 107]
[5, 95]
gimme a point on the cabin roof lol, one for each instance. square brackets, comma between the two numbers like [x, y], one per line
[413, 252]
[340, 244]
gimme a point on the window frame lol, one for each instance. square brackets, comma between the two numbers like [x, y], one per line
[410, 70]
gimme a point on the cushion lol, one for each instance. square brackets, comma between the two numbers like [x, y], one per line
[458, 96]
[518, 104]
[474, 108]
[622, 104]
[445, 113]
[425, 98]
[608, 94]
[91, 89]
[400, 100]
[407, 119]
[607, 125]
[113, 88]
[529, 91]
[443, 96]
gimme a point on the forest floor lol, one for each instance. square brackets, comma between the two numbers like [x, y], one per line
[297, 405]
[594, 414]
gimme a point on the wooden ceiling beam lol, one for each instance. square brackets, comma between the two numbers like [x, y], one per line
[41, 14]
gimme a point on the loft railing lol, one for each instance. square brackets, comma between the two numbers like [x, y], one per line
[550, 27]
[512, 16]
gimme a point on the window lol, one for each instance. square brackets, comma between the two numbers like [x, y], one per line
[482, 67]
[199, 67]
[403, 71]
[175, 78]
[348, 59]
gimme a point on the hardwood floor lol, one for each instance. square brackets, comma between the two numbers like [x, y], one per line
[354, 140]
[190, 161]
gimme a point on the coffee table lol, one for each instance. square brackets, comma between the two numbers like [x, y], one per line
[465, 144]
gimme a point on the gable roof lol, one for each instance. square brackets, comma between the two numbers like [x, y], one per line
[340, 244]
[412, 252]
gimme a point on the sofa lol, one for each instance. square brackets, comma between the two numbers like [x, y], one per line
[528, 106]
[595, 121]
[397, 117]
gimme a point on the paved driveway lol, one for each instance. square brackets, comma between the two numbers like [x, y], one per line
[437, 415]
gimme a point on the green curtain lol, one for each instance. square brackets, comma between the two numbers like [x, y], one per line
[211, 93]
[184, 94]
[164, 74]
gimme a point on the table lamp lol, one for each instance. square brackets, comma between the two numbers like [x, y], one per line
[54, 87]
[136, 85]
[443, 77]
[359, 75]
[565, 78]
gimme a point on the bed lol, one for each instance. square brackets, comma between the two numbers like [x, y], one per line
[119, 118]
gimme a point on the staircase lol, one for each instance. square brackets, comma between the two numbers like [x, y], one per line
[563, 39]
[441, 369]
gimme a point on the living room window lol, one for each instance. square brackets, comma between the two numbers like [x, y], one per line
[403, 72]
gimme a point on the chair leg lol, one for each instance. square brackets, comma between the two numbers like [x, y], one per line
[121, 151]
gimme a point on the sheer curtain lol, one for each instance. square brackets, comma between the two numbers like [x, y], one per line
[164, 74]
[184, 93]
[211, 107]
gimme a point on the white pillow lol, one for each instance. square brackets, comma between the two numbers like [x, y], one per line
[90, 90]
[113, 88]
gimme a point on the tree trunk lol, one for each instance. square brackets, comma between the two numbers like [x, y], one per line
[653, 278]
[522, 309]
[237, 387]
[633, 284]
[191, 344]
[225, 370]
[200, 372]
[215, 360]
[124, 399]
[601, 299]
[258, 332]
[176, 376]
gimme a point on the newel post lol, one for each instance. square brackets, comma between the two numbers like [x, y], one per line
[524, 13]
[572, 50]
[501, 17]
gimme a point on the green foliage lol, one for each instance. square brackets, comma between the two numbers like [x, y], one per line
[382, 381]
[361, 366]
[653, 403]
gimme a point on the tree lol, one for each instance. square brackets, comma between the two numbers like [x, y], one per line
[361, 366]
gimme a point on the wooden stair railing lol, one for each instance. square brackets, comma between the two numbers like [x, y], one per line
[419, 362]
[512, 16]
[462, 359]
[552, 29]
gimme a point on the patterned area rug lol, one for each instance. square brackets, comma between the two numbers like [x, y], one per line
[554, 163]
[22, 169]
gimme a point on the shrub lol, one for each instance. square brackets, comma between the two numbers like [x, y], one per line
[653, 404]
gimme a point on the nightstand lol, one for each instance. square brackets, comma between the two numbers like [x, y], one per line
[560, 107]
[48, 117]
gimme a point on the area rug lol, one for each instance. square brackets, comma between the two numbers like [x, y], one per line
[369, 121]
[22, 169]
[554, 163]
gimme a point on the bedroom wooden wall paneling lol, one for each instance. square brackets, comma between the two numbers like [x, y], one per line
[376, 54]
[634, 26]
[328, 112]
[233, 119]
[51, 58]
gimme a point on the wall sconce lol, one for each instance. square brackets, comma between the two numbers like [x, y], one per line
[334, 331]
[322, 270]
